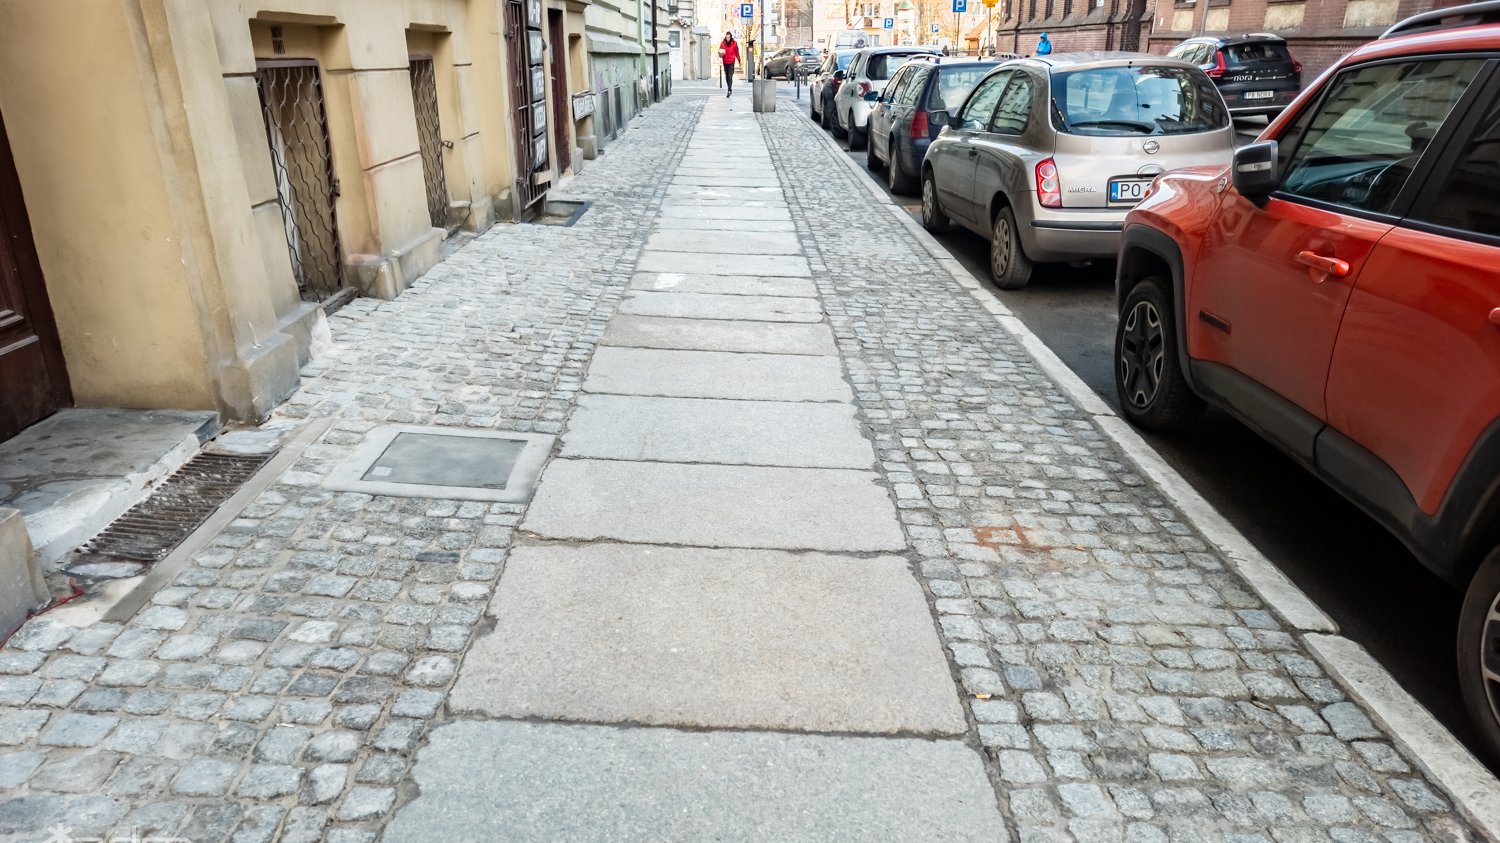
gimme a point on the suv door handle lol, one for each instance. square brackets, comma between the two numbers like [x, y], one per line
[1325, 265]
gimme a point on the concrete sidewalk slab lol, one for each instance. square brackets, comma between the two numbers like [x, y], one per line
[681, 179]
[728, 242]
[627, 427]
[713, 306]
[724, 285]
[830, 509]
[522, 782]
[785, 266]
[755, 639]
[725, 211]
[719, 335]
[716, 374]
[726, 226]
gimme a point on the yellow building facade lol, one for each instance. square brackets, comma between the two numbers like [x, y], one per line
[187, 185]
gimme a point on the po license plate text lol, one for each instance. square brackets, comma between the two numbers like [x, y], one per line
[1128, 190]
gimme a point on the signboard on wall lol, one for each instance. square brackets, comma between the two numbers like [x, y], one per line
[583, 105]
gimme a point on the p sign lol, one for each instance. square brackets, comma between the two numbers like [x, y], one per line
[747, 10]
[934, 29]
[960, 6]
[889, 23]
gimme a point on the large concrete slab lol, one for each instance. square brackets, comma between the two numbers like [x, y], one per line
[711, 306]
[732, 225]
[690, 180]
[726, 194]
[731, 242]
[754, 639]
[724, 211]
[724, 285]
[719, 335]
[783, 266]
[628, 427]
[831, 509]
[716, 374]
[522, 782]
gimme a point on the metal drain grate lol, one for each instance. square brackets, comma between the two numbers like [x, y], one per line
[151, 529]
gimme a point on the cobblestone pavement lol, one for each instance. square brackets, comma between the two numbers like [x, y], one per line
[1121, 682]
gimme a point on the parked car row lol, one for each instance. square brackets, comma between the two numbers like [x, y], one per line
[1334, 285]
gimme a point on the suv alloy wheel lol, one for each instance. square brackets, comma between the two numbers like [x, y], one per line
[1479, 649]
[1148, 377]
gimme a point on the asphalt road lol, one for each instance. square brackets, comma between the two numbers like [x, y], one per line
[1359, 574]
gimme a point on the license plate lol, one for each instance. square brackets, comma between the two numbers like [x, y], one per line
[1259, 95]
[1128, 190]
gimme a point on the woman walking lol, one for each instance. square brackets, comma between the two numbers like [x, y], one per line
[729, 53]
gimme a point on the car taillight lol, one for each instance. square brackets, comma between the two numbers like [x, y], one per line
[864, 88]
[919, 127]
[1048, 185]
[1296, 66]
[1218, 69]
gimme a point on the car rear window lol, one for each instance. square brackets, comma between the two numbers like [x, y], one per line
[843, 60]
[953, 85]
[882, 66]
[1148, 100]
[806, 51]
[1256, 53]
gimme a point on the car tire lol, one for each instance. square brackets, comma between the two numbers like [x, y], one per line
[812, 110]
[1009, 266]
[933, 218]
[858, 138]
[1478, 643]
[872, 161]
[838, 125]
[1153, 392]
[896, 178]
[824, 120]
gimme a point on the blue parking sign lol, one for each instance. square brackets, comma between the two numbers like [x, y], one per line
[960, 6]
[934, 29]
[747, 10]
[890, 23]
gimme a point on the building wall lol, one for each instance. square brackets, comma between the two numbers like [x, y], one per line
[143, 154]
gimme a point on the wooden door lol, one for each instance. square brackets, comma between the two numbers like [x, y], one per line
[562, 103]
[33, 381]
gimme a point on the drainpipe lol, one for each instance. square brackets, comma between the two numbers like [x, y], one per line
[655, 71]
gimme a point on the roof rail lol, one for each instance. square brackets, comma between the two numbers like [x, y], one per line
[1470, 14]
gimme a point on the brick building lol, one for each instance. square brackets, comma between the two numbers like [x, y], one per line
[1318, 31]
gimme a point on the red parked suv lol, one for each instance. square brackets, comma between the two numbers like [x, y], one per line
[1337, 289]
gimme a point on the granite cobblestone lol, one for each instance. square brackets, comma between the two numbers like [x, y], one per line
[1124, 681]
[278, 688]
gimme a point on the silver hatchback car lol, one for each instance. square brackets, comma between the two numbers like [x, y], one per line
[1047, 155]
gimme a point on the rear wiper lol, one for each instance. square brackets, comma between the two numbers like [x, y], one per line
[1143, 128]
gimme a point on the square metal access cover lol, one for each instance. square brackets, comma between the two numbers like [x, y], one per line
[413, 461]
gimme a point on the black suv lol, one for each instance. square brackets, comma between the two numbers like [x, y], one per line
[1255, 73]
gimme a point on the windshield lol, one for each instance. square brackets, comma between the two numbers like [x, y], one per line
[955, 83]
[1256, 51]
[1136, 101]
[806, 51]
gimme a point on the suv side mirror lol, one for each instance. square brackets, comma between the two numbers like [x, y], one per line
[1254, 170]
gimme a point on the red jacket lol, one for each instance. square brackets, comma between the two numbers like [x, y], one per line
[731, 51]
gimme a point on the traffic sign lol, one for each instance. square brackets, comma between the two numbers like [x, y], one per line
[934, 29]
[960, 6]
[747, 10]
[890, 23]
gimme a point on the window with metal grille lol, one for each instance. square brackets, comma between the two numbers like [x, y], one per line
[430, 138]
[291, 99]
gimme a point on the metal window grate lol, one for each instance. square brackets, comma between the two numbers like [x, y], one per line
[430, 139]
[291, 98]
[151, 529]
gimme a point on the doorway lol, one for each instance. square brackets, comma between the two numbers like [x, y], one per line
[562, 102]
[33, 379]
